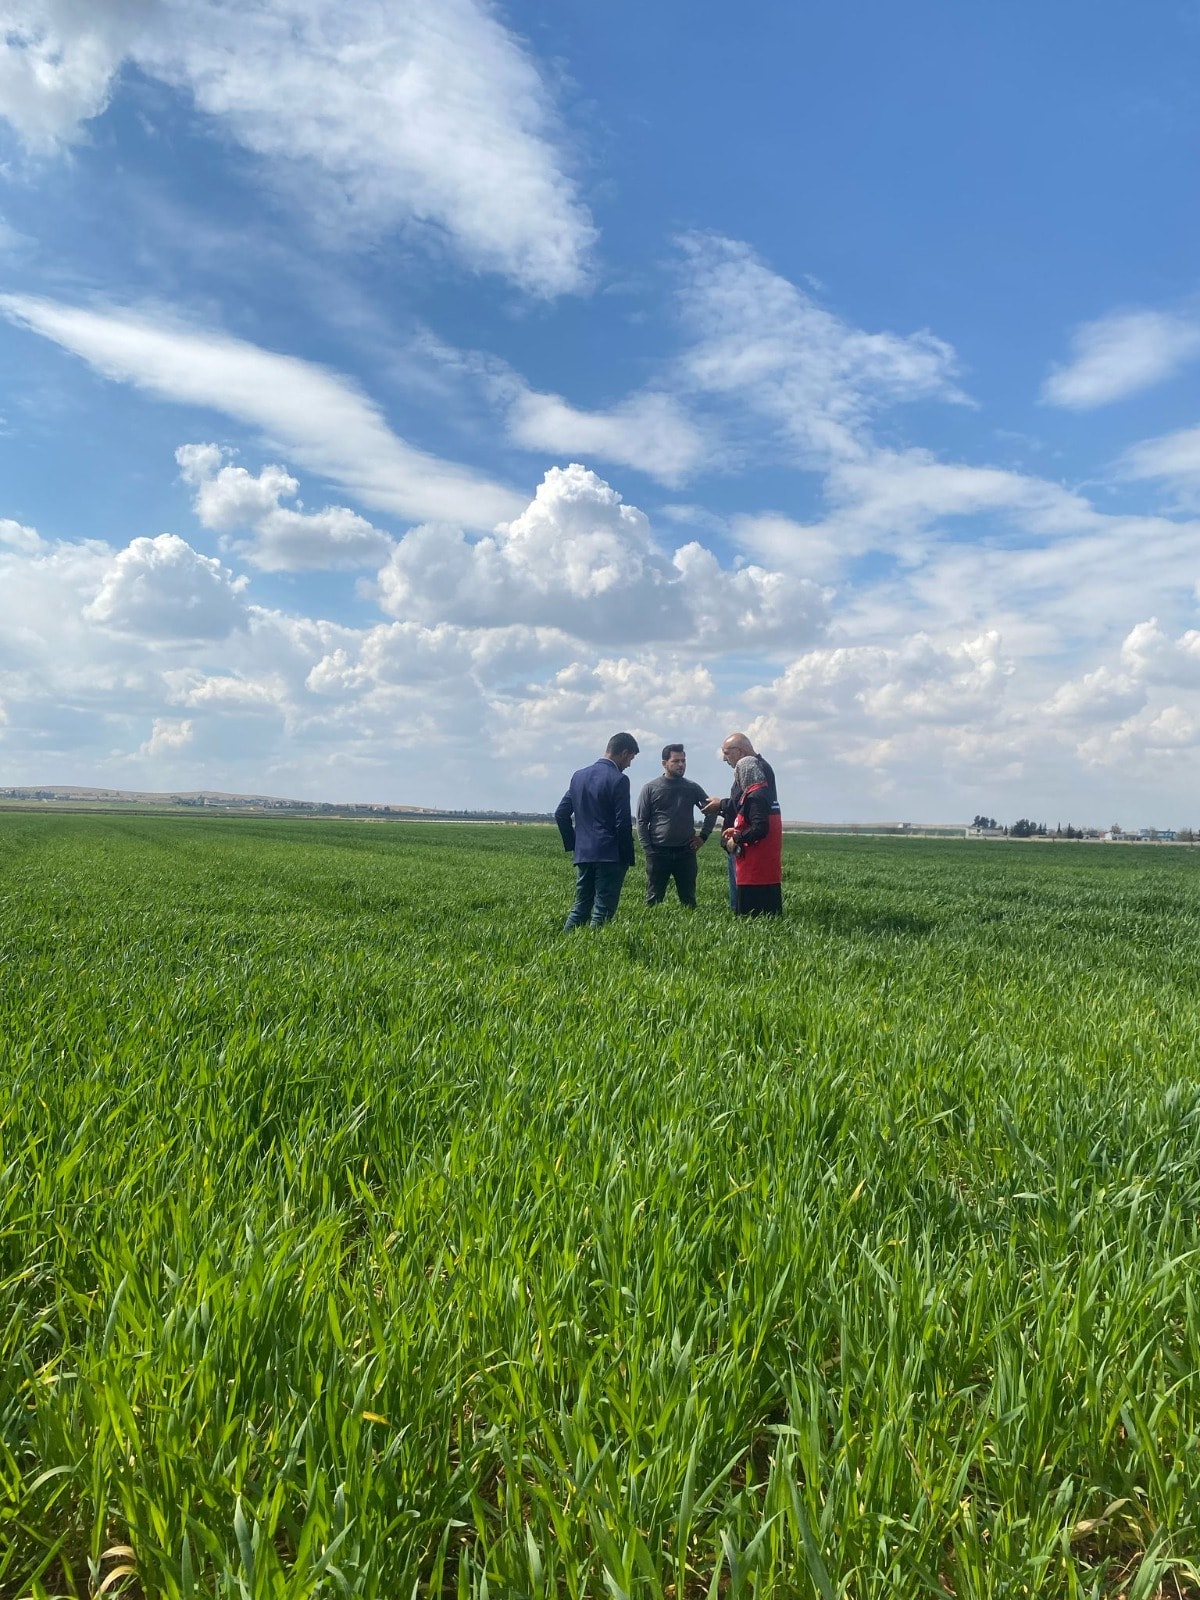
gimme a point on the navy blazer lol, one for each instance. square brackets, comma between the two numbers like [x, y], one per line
[598, 801]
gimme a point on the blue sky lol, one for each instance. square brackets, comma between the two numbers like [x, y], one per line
[399, 399]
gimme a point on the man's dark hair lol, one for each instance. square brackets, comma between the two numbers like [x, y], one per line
[620, 743]
[670, 750]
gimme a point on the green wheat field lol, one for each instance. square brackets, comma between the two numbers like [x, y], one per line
[362, 1234]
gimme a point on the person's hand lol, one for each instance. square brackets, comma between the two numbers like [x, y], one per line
[711, 806]
[696, 841]
[728, 841]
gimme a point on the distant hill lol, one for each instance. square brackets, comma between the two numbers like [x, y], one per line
[71, 796]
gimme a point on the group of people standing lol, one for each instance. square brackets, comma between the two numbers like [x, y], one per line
[596, 821]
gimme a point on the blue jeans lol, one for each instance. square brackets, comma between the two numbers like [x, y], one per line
[597, 891]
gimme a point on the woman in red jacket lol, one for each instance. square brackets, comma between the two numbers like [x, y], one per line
[755, 839]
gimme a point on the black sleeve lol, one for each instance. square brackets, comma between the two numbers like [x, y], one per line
[624, 821]
[756, 809]
[563, 816]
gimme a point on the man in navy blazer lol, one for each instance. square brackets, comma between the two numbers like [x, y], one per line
[596, 823]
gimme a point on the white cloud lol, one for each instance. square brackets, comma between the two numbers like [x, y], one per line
[977, 679]
[890, 500]
[975, 715]
[898, 492]
[918, 680]
[580, 560]
[650, 432]
[285, 538]
[1122, 354]
[656, 696]
[1149, 653]
[167, 736]
[321, 419]
[58, 59]
[161, 589]
[228, 497]
[12, 243]
[1174, 459]
[1156, 736]
[18, 537]
[1104, 693]
[191, 686]
[815, 377]
[422, 112]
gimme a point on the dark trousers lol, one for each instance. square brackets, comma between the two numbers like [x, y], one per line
[759, 900]
[597, 891]
[665, 863]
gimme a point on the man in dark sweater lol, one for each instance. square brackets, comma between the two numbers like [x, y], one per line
[666, 826]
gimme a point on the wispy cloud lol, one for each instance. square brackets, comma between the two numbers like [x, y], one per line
[816, 378]
[1119, 355]
[1173, 459]
[425, 112]
[316, 416]
[650, 432]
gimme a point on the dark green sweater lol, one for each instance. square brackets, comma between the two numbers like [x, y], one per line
[664, 813]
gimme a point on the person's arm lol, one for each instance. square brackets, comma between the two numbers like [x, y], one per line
[643, 819]
[701, 801]
[564, 817]
[623, 821]
[756, 812]
[707, 805]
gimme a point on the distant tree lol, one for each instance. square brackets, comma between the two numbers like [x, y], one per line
[984, 822]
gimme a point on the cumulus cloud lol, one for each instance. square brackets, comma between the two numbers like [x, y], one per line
[192, 686]
[1157, 735]
[580, 560]
[425, 112]
[1153, 656]
[161, 589]
[954, 683]
[655, 696]
[321, 419]
[818, 379]
[16, 536]
[167, 736]
[918, 680]
[285, 538]
[1119, 691]
[1122, 354]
